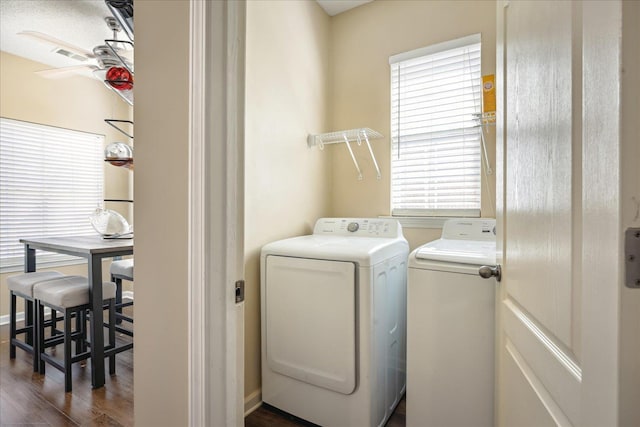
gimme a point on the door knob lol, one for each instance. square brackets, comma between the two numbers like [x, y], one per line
[486, 272]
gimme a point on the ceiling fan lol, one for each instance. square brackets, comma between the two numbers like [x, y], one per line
[111, 62]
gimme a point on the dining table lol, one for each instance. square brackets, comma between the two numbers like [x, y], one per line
[94, 248]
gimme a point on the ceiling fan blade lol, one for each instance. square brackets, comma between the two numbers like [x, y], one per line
[60, 73]
[58, 44]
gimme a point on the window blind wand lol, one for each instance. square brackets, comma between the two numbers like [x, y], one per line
[488, 169]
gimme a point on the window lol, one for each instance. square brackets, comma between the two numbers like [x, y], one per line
[435, 158]
[50, 183]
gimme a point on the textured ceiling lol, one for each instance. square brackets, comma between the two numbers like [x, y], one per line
[77, 22]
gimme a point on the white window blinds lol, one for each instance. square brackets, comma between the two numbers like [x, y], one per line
[51, 181]
[435, 166]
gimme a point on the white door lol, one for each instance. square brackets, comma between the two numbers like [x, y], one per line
[559, 212]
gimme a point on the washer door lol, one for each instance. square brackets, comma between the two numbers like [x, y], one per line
[311, 321]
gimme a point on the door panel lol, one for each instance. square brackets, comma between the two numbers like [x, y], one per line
[311, 321]
[539, 173]
[523, 406]
[538, 358]
[559, 374]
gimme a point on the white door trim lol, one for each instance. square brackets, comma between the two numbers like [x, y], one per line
[216, 140]
[196, 274]
[602, 251]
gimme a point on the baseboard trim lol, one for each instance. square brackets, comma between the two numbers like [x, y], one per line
[252, 402]
[4, 320]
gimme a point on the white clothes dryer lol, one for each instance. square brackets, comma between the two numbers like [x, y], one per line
[334, 322]
[450, 328]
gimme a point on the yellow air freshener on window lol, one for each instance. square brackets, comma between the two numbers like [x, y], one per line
[488, 93]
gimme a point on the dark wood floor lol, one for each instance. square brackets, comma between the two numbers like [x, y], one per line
[29, 399]
[267, 416]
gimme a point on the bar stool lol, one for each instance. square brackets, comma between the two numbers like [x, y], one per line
[122, 270]
[70, 295]
[22, 286]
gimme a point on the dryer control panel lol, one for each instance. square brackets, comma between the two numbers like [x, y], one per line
[359, 227]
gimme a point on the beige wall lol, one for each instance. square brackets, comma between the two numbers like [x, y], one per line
[286, 183]
[361, 42]
[77, 102]
[308, 73]
[161, 188]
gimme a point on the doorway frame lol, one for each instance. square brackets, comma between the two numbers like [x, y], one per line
[216, 217]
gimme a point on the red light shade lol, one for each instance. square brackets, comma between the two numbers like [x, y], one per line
[120, 78]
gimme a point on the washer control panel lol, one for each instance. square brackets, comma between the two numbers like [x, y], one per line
[470, 229]
[360, 227]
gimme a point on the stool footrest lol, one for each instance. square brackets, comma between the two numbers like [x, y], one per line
[112, 351]
[125, 318]
[60, 366]
[24, 330]
[81, 356]
[24, 346]
[59, 339]
[124, 331]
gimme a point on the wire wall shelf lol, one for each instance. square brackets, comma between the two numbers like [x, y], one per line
[357, 135]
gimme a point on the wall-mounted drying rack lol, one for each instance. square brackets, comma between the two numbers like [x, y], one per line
[347, 136]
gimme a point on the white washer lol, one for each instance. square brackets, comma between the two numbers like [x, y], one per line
[334, 322]
[450, 328]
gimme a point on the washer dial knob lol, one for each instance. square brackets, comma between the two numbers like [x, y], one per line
[353, 227]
